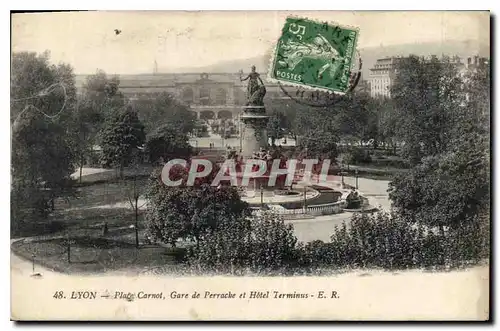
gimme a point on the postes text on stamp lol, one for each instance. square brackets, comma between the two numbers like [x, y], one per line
[315, 55]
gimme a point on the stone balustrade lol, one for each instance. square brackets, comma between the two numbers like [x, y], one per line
[315, 210]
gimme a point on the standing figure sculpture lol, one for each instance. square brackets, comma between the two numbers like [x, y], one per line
[255, 92]
[253, 117]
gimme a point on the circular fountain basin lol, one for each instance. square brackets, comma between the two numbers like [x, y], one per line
[253, 197]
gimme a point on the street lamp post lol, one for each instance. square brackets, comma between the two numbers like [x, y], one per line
[305, 200]
[223, 132]
[342, 173]
[356, 171]
[261, 197]
[241, 133]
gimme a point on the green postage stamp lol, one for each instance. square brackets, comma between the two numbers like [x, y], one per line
[315, 55]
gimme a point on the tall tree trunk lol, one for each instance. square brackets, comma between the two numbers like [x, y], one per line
[136, 222]
[136, 210]
[121, 170]
[441, 230]
[82, 159]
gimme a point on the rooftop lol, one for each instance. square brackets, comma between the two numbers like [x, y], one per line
[172, 79]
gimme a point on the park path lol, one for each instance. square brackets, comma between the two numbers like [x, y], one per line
[321, 227]
[373, 189]
[24, 268]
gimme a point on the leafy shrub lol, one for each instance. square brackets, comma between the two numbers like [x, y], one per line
[392, 163]
[167, 142]
[189, 212]
[225, 250]
[260, 244]
[273, 242]
[357, 156]
[470, 243]
[266, 244]
[317, 254]
[387, 241]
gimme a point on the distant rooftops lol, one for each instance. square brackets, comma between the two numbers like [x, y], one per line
[173, 79]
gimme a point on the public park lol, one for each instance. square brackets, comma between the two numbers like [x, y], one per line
[407, 186]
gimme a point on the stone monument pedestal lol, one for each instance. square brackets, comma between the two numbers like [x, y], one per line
[254, 133]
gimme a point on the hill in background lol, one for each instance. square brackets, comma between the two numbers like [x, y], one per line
[369, 56]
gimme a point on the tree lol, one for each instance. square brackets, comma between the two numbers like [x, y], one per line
[451, 187]
[42, 100]
[190, 212]
[86, 124]
[102, 94]
[100, 98]
[305, 120]
[166, 142]
[444, 191]
[290, 111]
[320, 144]
[201, 129]
[472, 123]
[134, 190]
[426, 93]
[277, 126]
[121, 135]
[163, 108]
[355, 117]
[41, 161]
[388, 123]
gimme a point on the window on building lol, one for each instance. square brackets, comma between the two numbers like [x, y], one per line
[221, 96]
[204, 96]
[187, 95]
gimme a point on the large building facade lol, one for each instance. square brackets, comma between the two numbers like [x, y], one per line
[209, 95]
[384, 71]
[382, 76]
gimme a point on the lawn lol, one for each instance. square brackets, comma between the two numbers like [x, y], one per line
[104, 193]
[90, 250]
[90, 255]
[82, 219]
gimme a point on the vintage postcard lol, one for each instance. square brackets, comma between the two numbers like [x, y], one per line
[260, 165]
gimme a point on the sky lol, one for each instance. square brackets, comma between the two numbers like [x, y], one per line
[87, 40]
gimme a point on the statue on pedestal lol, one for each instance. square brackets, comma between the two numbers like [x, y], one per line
[255, 91]
[254, 116]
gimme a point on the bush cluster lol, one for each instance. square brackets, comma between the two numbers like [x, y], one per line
[263, 245]
[370, 241]
[382, 241]
[357, 156]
